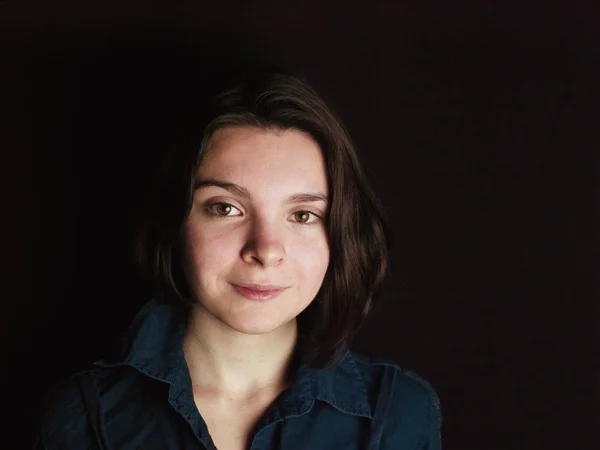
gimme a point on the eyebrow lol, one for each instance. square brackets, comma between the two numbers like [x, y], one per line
[304, 197]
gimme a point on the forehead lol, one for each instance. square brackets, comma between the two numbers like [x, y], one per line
[254, 157]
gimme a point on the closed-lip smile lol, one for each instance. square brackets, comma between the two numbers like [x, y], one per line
[261, 287]
[259, 292]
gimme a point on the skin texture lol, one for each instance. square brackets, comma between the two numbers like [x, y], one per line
[236, 347]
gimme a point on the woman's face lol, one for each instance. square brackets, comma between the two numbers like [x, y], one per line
[257, 221]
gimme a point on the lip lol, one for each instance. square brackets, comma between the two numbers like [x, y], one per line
[259, 292]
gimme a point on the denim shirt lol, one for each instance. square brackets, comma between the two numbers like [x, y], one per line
[145, 401]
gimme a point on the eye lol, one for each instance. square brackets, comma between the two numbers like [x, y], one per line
[305, 217]
[223, 209]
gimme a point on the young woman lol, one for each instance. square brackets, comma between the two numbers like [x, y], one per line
[267, 248]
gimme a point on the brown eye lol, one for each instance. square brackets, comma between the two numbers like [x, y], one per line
[223, 210]
[302, 216]
[305, 217]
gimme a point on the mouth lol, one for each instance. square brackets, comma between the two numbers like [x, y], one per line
[259, 292]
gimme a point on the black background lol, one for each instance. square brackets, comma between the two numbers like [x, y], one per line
[475, 122]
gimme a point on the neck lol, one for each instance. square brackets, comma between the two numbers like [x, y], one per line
[224, 362]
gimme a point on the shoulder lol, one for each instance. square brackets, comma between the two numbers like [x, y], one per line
[64, 420]
[63, 415]
[382, 374]
[403, 405]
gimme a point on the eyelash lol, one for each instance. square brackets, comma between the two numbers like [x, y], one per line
[220, 216]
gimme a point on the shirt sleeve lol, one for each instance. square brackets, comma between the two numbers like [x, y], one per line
[433, 429]
[38, 443]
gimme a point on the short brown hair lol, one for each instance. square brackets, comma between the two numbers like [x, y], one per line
[357, 234]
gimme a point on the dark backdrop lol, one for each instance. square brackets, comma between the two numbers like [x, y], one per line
[475, 123]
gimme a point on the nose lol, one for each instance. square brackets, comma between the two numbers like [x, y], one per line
[264, 244]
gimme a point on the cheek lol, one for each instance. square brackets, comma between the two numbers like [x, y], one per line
[209, 251]
[313, 260]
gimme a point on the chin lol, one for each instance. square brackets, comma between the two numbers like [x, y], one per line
[258, 326]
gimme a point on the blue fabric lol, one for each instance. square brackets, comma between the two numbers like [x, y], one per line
[146, 402]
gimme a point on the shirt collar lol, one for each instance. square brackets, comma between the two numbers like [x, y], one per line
[154, 346]
[343, 387]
